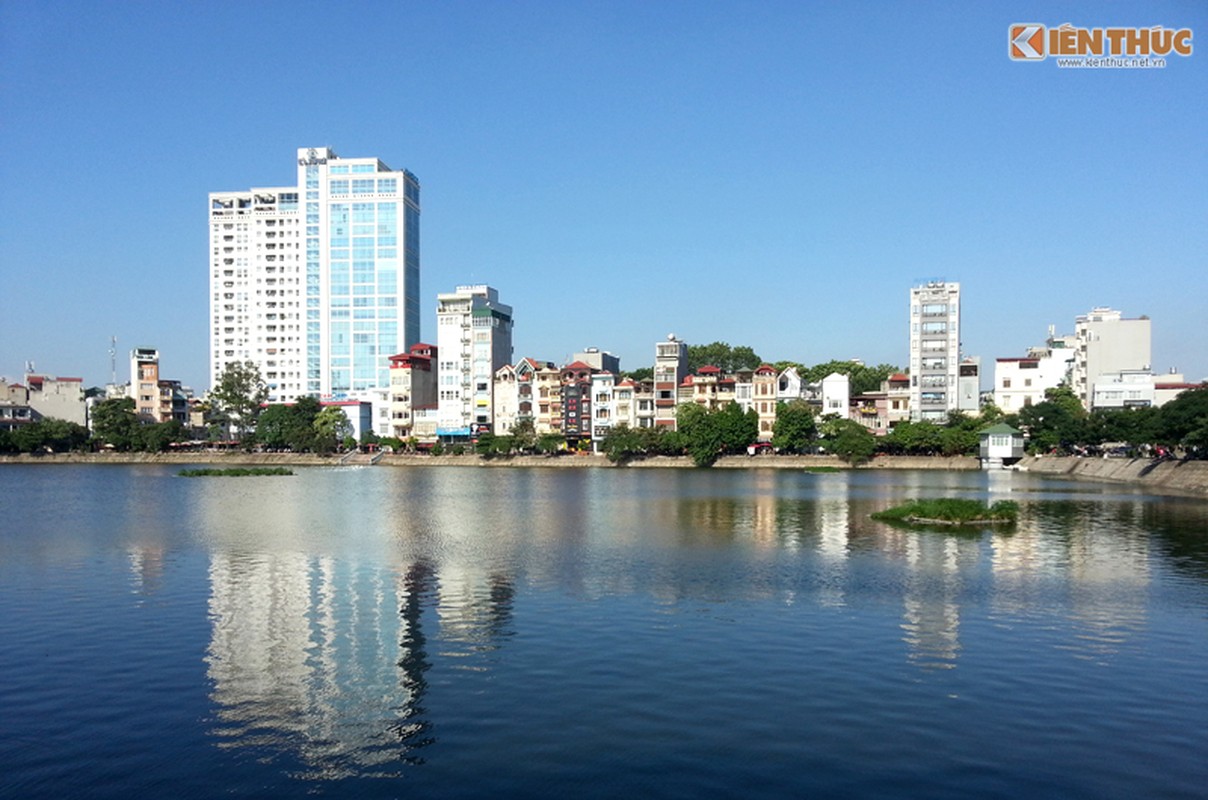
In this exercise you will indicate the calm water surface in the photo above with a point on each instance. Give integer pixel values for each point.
(444, 632)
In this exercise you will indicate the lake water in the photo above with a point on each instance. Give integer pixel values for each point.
(459, 632)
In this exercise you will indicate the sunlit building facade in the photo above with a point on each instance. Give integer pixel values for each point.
(317, 284)
(935, 338)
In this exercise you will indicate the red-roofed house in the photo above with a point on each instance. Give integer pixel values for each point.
(412, 387)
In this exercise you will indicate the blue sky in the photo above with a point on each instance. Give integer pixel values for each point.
(770, 174)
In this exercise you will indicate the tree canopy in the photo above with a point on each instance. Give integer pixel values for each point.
(709, 434)
(640, 374)
(722, 356)
(238, 396)
(115, 423)
(847, 439)
(795, 427)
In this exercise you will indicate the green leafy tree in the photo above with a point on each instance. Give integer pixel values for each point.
(331, 428)
(795, 427)
(738, 428)
(57, 435)
(114, 423)
(1184, 415)
(722, 356)
(640, 374)
(663, 441)
(1135, 426)
(1057, 424)
(848, 439)
(703, 435)
(863, 378)
(1196, 441)
(524, 435)
(301, 435)
(239, 395)
(274, 425)
(158, 437)
(989, 414)
(485, 446)
(960, 437)
(622, 444)
(438, 448)
(917, 438)
(959, 441)
(707, 435)
(550, 443)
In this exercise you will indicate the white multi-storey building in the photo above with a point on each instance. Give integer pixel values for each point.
(1108, 344)
(604, 407)
(670, 369)
(935, 327)
(474, 339)
(1022, 382)
(317, 284)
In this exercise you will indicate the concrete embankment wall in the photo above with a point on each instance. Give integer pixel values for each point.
(1178, 476)
(1182, 477)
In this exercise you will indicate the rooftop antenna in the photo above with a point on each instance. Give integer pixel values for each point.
(113, 360)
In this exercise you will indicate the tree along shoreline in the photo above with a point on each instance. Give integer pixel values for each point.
(571, 460)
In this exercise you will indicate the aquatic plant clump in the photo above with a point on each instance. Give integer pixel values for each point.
(234, 472)
(950, 511)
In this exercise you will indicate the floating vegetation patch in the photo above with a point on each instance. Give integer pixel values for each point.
(948, 511)
(234, 472)
(822, 470)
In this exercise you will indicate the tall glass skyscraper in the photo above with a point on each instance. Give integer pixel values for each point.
(317, 284)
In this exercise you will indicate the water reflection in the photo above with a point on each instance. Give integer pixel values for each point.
(1105, 563)
(328, 620)
(931, 596)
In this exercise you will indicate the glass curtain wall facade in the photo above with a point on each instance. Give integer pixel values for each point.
(357, 294)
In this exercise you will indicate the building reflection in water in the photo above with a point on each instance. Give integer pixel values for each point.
(323, 657)
(833, 523)
(930, 596)
(1103, 563)
(317, 657)
(146, 568)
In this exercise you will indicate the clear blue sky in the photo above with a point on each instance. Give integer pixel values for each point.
(769, 174)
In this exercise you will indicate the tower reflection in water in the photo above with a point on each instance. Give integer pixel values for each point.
(323, 659)
(326, 626)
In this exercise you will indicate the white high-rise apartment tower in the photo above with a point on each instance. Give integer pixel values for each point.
(317, 284)
(935, 341)
(473, 339)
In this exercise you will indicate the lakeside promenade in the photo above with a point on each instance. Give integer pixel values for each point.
(1170, 476)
